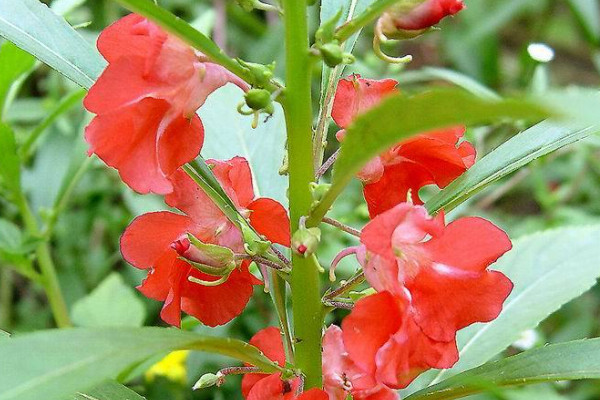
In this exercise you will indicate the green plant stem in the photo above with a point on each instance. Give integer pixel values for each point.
(370, 14)
(6, 297)
(306, 299)
(49, 279)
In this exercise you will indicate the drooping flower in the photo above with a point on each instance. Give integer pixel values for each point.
(430, 158)
(269, 387)
(342, 376)
(382, 338)
(145, 103)
(158, 242)
(407, 20)
(443, 268)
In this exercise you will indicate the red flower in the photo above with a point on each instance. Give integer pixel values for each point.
(146, 100)
(428, 158)
(447, 277)
(313, 394)
(383, 339)
(405, 21)
(270, 387)
(342, 376)
(155, 241)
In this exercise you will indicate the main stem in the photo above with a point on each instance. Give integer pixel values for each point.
(306, 300)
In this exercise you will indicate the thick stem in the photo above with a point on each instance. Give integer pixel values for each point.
(307, 309)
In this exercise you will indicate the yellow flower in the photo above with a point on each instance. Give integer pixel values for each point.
(171, 367)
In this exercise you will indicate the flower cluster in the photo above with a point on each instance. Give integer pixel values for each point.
(147, 128)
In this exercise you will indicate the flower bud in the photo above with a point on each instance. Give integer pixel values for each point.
(258, 99)
(305, 241)
(332, 54)
(208, 258)
(206, 381)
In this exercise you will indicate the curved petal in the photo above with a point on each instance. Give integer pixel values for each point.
(150, 235)
(355, 95)
(180, 143)
(273, 388)
(270, 219)
(314, 394)
(236, 178)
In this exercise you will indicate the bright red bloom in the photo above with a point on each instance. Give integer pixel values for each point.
(313, 394)
(269, 387)
(429, 158)
(423, 16)
(447, 277)
(146, 100)
(383, 339)
(152, 242)
(342, 376)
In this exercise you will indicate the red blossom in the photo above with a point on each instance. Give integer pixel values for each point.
(152, 242)
(430, 158)
(426, 14)
(447, 275)
(146, 100)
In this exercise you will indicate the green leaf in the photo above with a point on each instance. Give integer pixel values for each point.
(112, 303)
(263, 147)
(109, 390)
(588, 13)
(11, 237)
(539, 140)
(14, 63)
(400, 117)
(548, 270)
(32, 26)
(10, 169)
(564, 361)
(55, 364)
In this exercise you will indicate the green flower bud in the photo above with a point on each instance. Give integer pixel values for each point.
(253, 245)
(261, 74)
(332, 54)
(305, 241)
(206, 381)
(258, 99)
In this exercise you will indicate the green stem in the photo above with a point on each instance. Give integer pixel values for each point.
(6, 297)
(306, 303)
(49, 279)
(370, 14)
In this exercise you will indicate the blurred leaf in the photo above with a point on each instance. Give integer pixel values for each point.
(400, 117)
(548, 270)
(63, 7)
(112, 303)
(35, 28)
(52, 365)
(588, 12)
(109, 390)
(564, 361)
(539, 140)
(11, 237)
(10, 169)
(4, 335)
(14, 62)
(263, 147)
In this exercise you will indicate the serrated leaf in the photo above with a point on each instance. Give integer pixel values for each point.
(564, 361)
(55, 364)
(10, 169)
(109, 390)
(230, 134)
(112, 303)
(548, 270)
(400, 117)
(33, 27)
(537, 141)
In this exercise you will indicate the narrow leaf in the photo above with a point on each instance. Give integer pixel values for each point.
(109, 390)
(520, 150)
(52, 365)
(564, 361)
(548, 270)
(32, 26)
(14, 63)
(400, 117)
(10, 169)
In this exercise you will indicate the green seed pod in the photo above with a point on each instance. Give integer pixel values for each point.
(258, 99)
(305, 241)
(332, 54)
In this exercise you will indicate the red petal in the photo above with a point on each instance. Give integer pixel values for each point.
(273, 388)
(270, 219)
(470, 244)
(370, 325)
(129, 140)
(355, 95)
(236, 178)
(314, 394)
(217, 305)
(269, 342)
(150, 235)
(157, 284)
(448, 299)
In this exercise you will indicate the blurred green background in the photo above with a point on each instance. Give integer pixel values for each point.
(488, 43)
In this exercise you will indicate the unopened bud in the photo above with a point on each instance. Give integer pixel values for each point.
(332, 54)
(306, 240)
(261, 74)
(208, 258)
(206, 381)
(258, 99)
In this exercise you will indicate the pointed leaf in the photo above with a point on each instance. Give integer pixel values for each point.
(109, 390)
